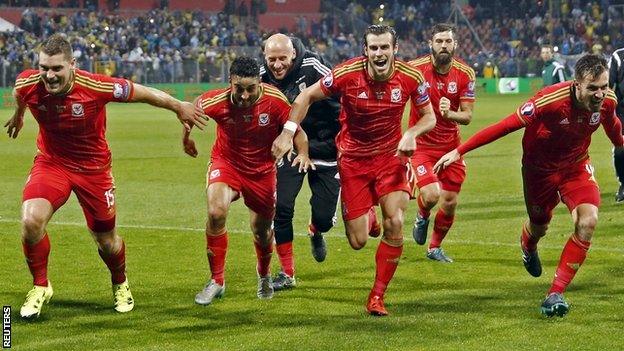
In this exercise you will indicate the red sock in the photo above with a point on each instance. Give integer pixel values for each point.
(572, 257)
(264, 259)
(424, 212)
(285, 255)
(441, 226)
(37, 259)
(116, 264)
(387, 260)
(529, 242)
(216, 248)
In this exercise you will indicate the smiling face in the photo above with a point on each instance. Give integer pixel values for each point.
(380, 51)
(279, 55)
(443, 47)
(245, 90)
(56, 72)
(591, 91)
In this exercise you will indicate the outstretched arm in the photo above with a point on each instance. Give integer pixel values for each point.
(16, 122)
(187, 113)
(484, 136)
(283, 143)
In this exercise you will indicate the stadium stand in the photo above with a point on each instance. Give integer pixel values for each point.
(165, 41)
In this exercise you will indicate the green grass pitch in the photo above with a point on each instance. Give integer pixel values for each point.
(483, 301)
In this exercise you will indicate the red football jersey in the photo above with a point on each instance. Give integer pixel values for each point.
(457, 85)
(245, 135)
(72, 126)
(371, 112)
(557, 132)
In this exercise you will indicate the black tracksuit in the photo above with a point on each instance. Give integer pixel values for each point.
(321, 125)
(616, 82)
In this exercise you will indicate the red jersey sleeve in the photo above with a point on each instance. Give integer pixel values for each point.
(612, 125)
(420, 94)
(487, 135)
(211, 100)
(26, 81)
(107, 89)
(467, 88)
(335, 81)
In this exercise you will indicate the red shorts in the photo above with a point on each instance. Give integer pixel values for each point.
(95, 191)
(543, 190)
(258, 190)
(451, 178)
(364, 180)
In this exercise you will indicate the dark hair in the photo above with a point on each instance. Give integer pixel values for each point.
(443, 27)
(379, 29)
(548, 46)
(57, 44)
(245, 66)
(590, 66)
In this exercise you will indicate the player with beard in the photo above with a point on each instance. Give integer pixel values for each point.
(559, 122)
(73, 156)
(451, 90)
(372, 153)
(291, 68)
(249, 116)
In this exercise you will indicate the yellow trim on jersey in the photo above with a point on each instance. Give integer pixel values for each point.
(93, 81)
(410, 71)
(611, 95)
(357, 65)
(420, 61)
(465, 68)
(30, 80)
(555, 96)
(205, 103)
(276, 93)
(103, 87)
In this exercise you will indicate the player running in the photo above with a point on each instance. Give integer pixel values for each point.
(73, 156)
(559, 122)
(373, 156)
(451, 90)
(249, 116)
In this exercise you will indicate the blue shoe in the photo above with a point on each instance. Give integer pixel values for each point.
(419, 232)
(439, 255)
(555, 305)
(283, 281)
(532, 262)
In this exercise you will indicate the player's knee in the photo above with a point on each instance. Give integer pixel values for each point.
(33, 226)
(284, 212)
(217, 213)
(430, 198)
(449, 206)
(357, 243)
(586, 225)
(393, 225)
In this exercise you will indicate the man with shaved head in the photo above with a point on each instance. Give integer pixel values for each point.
(291, 68)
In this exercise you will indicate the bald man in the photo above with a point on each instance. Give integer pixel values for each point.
(291, 68)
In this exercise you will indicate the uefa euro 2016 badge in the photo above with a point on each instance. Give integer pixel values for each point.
(452, 88)
(77, 110)
(594, 119)
(328, 80)
(395, 95)
(302, 86)
(263, 119)
(117, 90)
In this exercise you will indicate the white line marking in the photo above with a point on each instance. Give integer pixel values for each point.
(331, 235)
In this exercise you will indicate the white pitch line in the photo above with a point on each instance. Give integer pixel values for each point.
(331, 235)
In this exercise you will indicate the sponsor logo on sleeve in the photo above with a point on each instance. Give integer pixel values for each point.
(395, 95)
(77, 110)
(528, 109)
(302, 86)
(121, 91)
(471, 85)
(421, 170)
(263, 119)
(215, 173)
(328, 81)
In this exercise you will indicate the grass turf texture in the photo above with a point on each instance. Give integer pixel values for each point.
(485, 300)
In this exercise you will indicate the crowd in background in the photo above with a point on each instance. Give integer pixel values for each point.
(168, 46)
